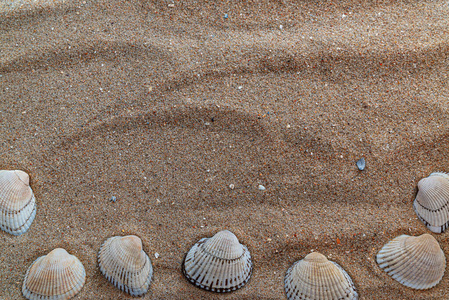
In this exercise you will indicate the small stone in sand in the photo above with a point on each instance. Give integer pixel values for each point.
(113, 199)
(156, 255)
(361, 164)
(231, 186)
(261, 187)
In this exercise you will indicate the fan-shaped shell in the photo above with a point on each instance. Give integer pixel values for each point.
(218, 264)
(432, 202)
(17, 203)
(55, 276)
(416, 262)
(123, 262)
(317, 278)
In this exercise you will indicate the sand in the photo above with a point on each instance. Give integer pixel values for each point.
(165, 104)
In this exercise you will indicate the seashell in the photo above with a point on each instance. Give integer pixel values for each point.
(218, 264)
(124, 263)
(432, 202)
(416, 262)
(17, 203)
(55, 276)
(317, 278)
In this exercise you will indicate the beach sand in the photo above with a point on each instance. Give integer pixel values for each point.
(165, 104)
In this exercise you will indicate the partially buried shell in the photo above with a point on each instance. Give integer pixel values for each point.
(432, 201)
(124, 263)
(55, 276)
(17, 203)
(218, 264)
(416, 262)
(317, 278)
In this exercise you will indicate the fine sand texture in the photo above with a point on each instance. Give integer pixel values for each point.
(166, 104)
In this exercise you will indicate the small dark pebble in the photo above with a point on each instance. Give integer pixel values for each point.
(361, 164)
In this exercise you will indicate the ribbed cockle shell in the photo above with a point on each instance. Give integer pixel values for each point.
(124, 263)
(218, 264)
(432, 202)
(55, 276)
(416, 262)
(17, 203)
(317, 278)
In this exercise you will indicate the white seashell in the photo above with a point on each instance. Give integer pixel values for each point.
(432, 202)
(218, 264)
(416, 262)
(55, 276)
(17, 203)
(317, 278)
(123, 262)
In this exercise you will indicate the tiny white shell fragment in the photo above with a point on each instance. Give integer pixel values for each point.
(17, 202)
(317, 278)
(55, 276)
(123, 262)
(416, 262)
(218, 264)
(432, 202)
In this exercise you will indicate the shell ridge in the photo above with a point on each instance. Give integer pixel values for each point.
(124, 263)
(188, 264)
(208, 274)
(396, 265)
(229, 259)
(199, 260)
(442, 174)
(315, 277)
(421, 265)
(334, 281)
(221, 273)
(20, 223)
(330, 281)
(217, 270)
(445, 205)
(349, 281)
(17, 203)
(136, 286)
(13, 192)
(203, 275)
(189, 260)
(53, 276)
(433, 228)
(422, 254)
(433, 193)
(8, 192)
(432, 202)
(248, 266)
